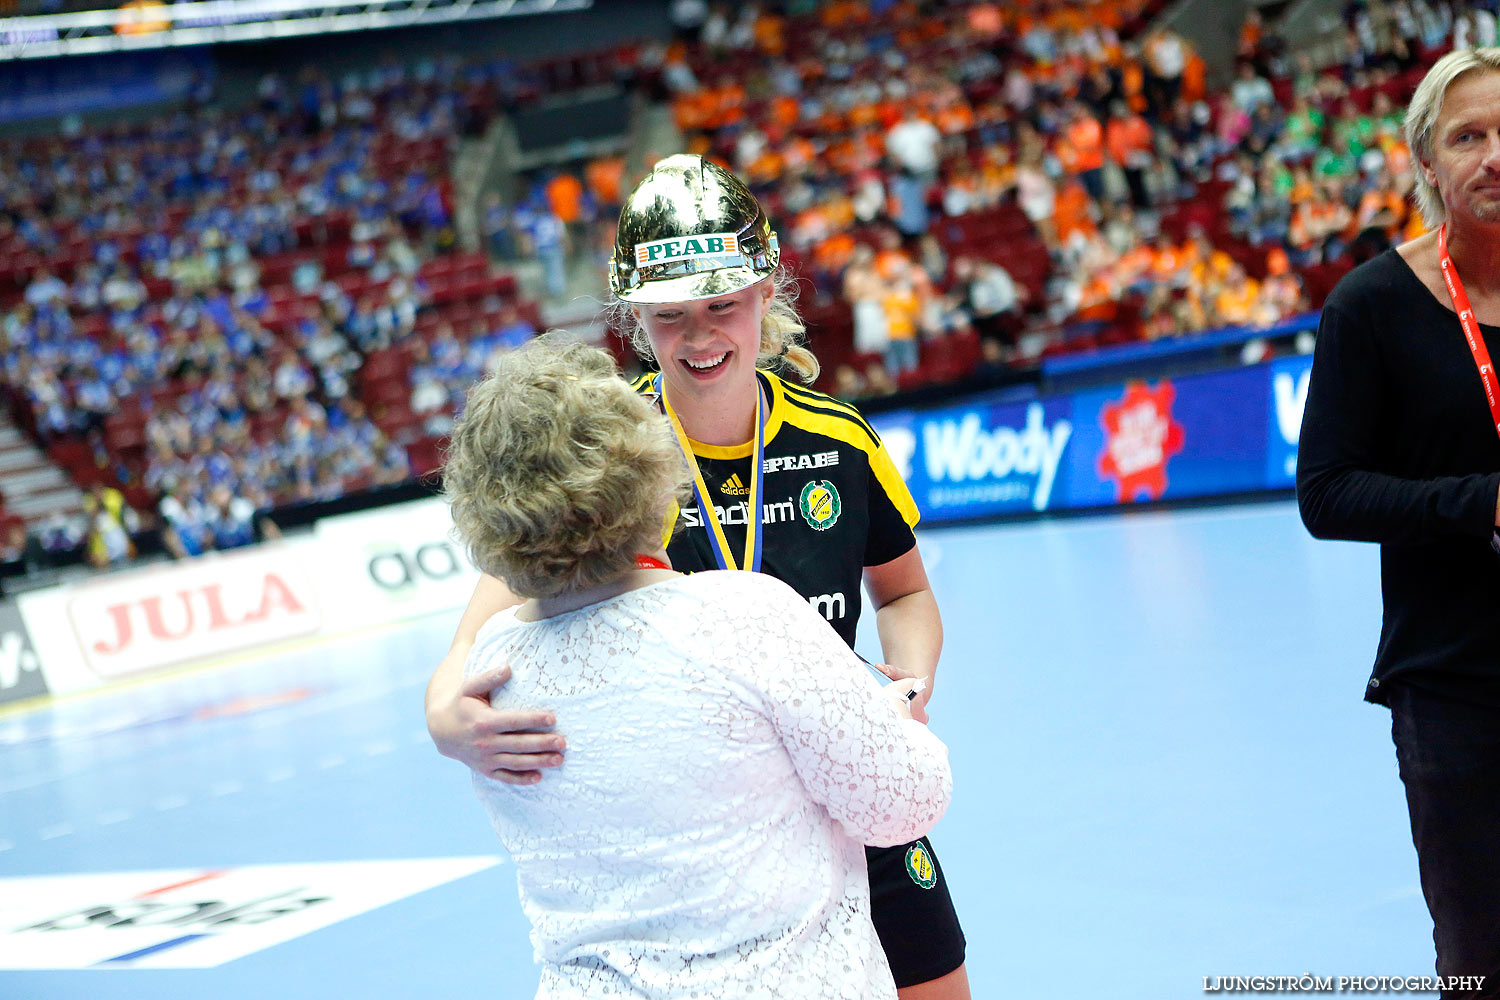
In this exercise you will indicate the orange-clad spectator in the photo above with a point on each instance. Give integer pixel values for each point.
(1383, 206)
(903, 308)
(1082, 149)
(985, 21)
(1099, 301)
(729, 104)
(864, 115)
(954, 117)
(565, 196)
(842, 13)
(1302, 186)
(1169, 263)
(997, 175)
(891, 262)
(799, 154)
(783, 112)
(889, 112)
(1318, 218)
(1135, 265)
(1251, 31)
(1277, 263)
(1195, 77)
(606, 178)
(1206, 265)
(1237, 302)
(1131, 144)
(694, 110)
(1133, 84)
(767, 167)
(770, 34)
(833, 254)
(1281, 292)
(1072, 214)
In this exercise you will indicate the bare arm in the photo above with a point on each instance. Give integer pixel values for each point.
(906, 616)
(500, 745)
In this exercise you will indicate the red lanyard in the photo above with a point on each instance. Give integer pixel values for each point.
(1471, 327)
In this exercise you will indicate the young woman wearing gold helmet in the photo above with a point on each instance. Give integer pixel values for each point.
(695, 274)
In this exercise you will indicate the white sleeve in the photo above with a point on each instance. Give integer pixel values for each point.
(885, 779)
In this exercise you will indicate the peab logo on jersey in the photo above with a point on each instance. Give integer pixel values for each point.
(820, 505)
(790, 463)
(1140, 439)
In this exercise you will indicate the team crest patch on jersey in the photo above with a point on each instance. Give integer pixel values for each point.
(920, 867)
(820, 504)
(734, 487)
(686, 247)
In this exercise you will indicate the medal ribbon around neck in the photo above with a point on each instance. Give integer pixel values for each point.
(716, 539)
(1471, 328)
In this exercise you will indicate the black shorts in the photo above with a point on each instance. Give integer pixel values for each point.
(913, 913)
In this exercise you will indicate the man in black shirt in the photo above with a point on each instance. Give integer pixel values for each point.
(1401, 445)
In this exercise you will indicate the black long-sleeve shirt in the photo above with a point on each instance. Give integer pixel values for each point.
(1398, 447)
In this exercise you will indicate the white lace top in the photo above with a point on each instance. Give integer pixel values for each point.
(727, 758)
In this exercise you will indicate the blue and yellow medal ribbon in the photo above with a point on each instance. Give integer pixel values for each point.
(716, 538)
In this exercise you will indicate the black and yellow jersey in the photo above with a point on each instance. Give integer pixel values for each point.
(833, 501)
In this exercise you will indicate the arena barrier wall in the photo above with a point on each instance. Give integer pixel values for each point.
(1225, 432)
(1220, 433)
(351, 572)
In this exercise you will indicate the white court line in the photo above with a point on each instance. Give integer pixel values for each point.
(330, 762)
(378, 748)
(280, 774)
(226, 788)
(171, 802)
(113, 816)
(53, 832)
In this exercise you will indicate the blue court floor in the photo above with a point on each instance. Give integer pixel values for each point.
(1163, 771)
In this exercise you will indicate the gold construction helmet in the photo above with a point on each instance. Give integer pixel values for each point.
(690, 230)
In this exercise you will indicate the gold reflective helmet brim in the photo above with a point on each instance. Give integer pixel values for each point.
(690, 230)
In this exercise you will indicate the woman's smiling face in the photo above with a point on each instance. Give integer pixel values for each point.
(707, 346)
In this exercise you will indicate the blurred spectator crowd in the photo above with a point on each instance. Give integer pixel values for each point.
(226, 311)
(983, 183)
(186, 307)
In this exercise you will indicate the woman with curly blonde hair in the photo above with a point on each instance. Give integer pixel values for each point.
(738, 868)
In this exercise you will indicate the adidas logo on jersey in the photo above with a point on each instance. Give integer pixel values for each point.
(734, 487)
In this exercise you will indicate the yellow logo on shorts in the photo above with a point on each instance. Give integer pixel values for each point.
(820, 504)
(920, 867)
